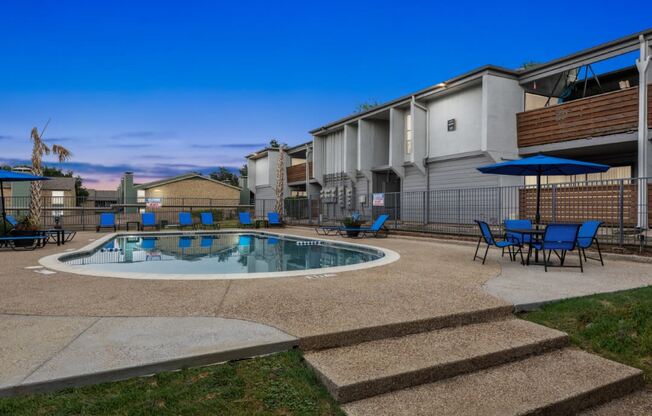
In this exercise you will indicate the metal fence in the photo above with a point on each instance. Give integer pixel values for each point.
(453, 211)
(83, 213)
(443, 211)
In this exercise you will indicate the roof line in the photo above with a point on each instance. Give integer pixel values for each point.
(180, 178)
(424, 91)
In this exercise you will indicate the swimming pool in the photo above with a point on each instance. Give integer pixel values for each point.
(225, 255)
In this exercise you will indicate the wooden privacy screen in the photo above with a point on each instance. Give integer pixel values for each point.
(297, 173)
(600, 115)
(585, 202)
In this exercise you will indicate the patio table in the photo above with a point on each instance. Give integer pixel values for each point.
(535, 235)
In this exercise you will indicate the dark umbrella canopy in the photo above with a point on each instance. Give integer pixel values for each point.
(542, 165)
(10, 176)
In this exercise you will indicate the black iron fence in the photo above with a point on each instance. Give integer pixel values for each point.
(83, 213)
(453, 211)
(443, 211)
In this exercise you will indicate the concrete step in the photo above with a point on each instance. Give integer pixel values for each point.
(402, 328)
(560, 382)
(371, 368)
(635, 404)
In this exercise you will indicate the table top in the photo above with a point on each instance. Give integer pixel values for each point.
(525, 230)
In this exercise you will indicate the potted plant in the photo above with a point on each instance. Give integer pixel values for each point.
(351, 224)
(24, 228)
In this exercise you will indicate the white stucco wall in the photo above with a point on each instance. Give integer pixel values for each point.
(465, 107)
(504, 98)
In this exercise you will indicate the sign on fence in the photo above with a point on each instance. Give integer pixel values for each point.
(153, 203)
(379, 200)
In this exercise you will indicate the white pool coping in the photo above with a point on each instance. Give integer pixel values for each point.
(52, 262)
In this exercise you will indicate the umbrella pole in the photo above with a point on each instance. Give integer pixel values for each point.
(4, 213)
(537, 218)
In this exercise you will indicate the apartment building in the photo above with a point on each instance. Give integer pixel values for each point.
(591, 105)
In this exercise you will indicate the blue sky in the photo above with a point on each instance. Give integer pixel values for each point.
(168, 87)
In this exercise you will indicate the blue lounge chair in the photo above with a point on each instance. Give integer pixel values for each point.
(207, 220)
(107, 220)
(558, 239)
(587, 236)
(148, 219)
(12, 221)
(273, 219)
(377, 228)
(185, 219)
(26, 242)
(487, 236)
(245, 220)
(327, 229)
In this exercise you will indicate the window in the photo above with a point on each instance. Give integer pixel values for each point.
(140, 196)
(57, 202)
(408, 134)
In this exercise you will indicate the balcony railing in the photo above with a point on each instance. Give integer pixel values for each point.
(297, 173)
(600, 115)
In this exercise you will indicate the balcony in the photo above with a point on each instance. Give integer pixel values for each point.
(599, 115)
(297, 173)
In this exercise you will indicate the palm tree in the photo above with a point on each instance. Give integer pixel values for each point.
(39, 149)
(280, 181)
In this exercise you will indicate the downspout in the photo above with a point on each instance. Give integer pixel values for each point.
(642, 64)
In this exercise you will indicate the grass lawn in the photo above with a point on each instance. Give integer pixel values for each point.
(617, 326)
(279, 384)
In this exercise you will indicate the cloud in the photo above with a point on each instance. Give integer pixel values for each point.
(59, 139)
(228, 146)
(143, 134)
(6, 137)
(243, 145)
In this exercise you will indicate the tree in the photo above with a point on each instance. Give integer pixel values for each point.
(274, 144)
(39, 149)
(225, 175)
(366, 106)
(244, 170)
(280, 181)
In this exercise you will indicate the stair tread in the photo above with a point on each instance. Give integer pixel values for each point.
(393, 356)
(635, 404)
(558, 382)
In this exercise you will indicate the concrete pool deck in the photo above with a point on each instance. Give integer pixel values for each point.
(434, 285)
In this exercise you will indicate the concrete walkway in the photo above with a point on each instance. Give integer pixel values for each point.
(530, 287)
(44, 353)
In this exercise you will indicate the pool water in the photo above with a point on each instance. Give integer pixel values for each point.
(218, 253)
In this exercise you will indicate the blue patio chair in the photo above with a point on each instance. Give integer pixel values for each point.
(148, 243)
(273, 219)
(207, 220)
(558, 239)
(377, 228)
(148, 219)
(206, 241)
(185, 242)
(487, 236)
(586, 236)
(185, 219)
(107, 220)
(245, 220)
(24, 242)
(518, 239)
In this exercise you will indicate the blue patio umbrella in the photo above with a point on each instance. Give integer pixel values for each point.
(542, 165)
(10, 176)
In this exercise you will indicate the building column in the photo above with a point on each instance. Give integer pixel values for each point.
(643, 64)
